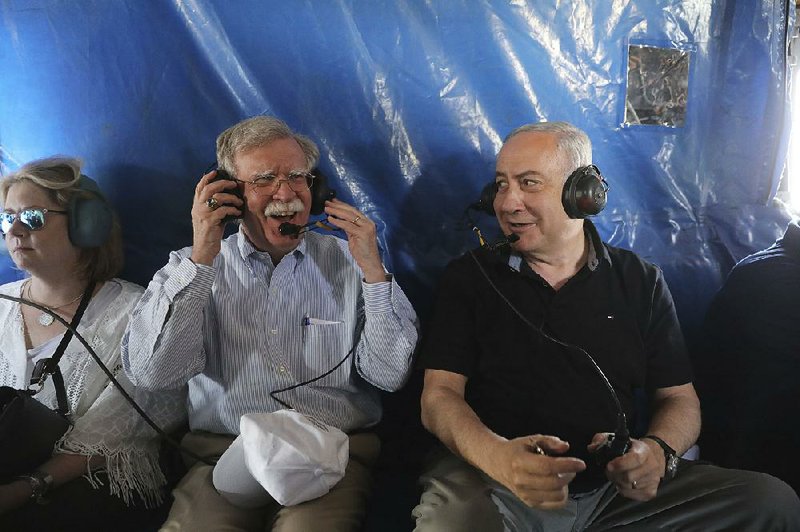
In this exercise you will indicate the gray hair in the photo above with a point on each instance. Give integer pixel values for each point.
(59, 176)
(258, 131)
(572, 142)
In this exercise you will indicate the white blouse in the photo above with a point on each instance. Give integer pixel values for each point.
(104, 422)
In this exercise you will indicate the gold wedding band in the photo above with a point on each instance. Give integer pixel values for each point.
(212, 203)
(356, 219)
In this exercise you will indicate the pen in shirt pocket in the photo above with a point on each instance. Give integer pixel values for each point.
(309, 321)
(316, 321)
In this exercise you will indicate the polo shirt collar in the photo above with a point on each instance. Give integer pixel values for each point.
(595, 244)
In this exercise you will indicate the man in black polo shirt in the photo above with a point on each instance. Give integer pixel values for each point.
(512, 391)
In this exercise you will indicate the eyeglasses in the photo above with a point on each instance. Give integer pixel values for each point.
(33, 219)
(297, 181)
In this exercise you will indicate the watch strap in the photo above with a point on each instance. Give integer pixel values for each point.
(40, 483)
(670, 456)
(661, 443)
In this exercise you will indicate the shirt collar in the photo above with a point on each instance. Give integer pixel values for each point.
(595, 245)
(247, 249)
(592, 261)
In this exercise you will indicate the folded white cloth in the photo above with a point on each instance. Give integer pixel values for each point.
(235, 483)
(291, 456)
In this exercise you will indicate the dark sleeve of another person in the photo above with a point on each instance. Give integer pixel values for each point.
(748, 366)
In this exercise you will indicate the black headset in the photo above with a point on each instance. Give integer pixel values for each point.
(320, 192)
(585, 193)
(90, 215)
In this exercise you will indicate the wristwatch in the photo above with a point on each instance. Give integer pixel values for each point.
(671, 459)
(40, 483)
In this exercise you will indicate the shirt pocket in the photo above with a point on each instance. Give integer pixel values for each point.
(325, 344)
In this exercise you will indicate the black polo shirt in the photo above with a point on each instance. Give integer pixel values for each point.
(617, 307)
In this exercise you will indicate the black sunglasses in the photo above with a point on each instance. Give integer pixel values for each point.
(33, 219)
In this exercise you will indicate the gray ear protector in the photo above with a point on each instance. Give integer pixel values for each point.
(584, 194)
(90, 218)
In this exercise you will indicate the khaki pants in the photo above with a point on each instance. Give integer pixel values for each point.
(198, 507)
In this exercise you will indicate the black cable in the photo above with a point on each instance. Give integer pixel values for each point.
(111, 377)
(318, 377)
(473, 226)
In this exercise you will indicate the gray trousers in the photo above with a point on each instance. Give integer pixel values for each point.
(458, 497)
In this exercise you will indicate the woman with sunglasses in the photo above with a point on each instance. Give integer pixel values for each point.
(105, 469)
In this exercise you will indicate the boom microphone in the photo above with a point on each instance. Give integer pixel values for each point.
(503, 242)
(290, 229)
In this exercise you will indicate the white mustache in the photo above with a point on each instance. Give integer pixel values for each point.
(281, 208)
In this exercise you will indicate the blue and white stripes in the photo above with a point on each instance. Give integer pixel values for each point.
(243, 328)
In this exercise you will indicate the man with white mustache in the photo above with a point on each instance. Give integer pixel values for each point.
(258, 312)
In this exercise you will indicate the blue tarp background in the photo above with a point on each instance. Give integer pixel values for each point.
(409, 101)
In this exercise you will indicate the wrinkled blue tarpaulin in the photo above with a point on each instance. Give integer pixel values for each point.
(409, 101)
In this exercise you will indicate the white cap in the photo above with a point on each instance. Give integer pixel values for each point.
(293, 457)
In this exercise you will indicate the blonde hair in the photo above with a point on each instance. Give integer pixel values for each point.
(59, 177)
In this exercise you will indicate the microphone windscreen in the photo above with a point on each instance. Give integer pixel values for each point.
(513, 237)
(289, 229)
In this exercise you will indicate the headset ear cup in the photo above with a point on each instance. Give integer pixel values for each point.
(585, 192)
(320, 192)
(90, 218)
(568, 196)
(486, 202)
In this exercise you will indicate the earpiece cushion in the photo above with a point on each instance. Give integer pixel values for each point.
(320, 192)
(90, 218)
(486, 201)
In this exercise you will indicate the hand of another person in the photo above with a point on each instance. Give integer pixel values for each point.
(211, 204)
(361, 238)
(540, 480)
(638, 472)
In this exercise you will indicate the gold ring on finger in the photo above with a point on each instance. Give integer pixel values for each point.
(356, 219)
(212, 203)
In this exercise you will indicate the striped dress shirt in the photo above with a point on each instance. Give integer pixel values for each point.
(242, 328)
